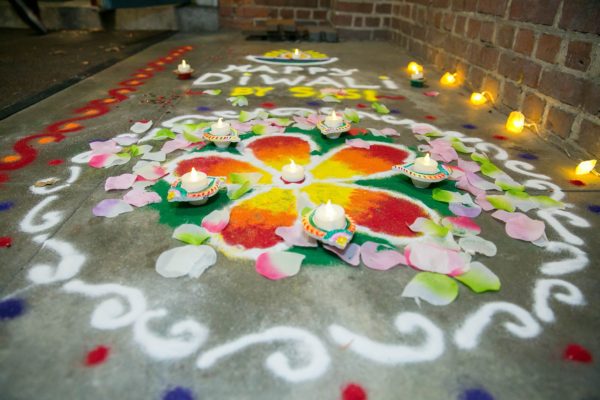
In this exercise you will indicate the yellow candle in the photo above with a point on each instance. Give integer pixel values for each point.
(585, 167)
(478, 99)
(448, 79)
(515, 122)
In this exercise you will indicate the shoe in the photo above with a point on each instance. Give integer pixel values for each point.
(28, 16)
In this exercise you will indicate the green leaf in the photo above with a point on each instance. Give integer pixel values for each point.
(133, 150)
(380, 108)
(351, 115)
(436, 289)
(480, 278)
(164, 133)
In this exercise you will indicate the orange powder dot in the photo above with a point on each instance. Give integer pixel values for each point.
(46, 140)
(11, 158)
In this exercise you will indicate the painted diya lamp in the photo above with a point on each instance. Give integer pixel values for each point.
(292, 173)
(423, 171)
(194, 187)
(329, 224)
(333, 126)
(221, 134)
(184, 71)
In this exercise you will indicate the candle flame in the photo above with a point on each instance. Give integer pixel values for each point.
(194, 175)
(183, 63)
(448, 79)
(585, 167)
(478, 98)
(515, 122)
(333, 114)
(296, 52)
(292, 163)
(220, 123)
(413, 67)
(329, 210)
(427, 159)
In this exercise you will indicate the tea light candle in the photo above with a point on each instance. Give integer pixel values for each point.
(448, 79)
(184, 68)
(515, 122)
(292, 172)
(194, 181)
(333, 121)
(585, 167)
(425, 165)
(478, 99)
(220, 128)
(413, 67)
(330, 217)
(296, 55)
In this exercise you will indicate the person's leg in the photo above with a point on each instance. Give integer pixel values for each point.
(29, 12)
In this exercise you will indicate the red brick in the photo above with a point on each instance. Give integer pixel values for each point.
(372, 21)
(342, 20)
(591, 98)
(458, 46)
(473, 28)
(548, 47)
(581, 16)
(519, 69)
(562, 86)
(364, 7)
(287, 13)
(459, 24)
(535, 11)
(355, 34)
(475, 78)
(579, 55)
(325, 3)
(589, 137)
(560, 122)
(303, 14)
(406, 10)
(436, 19)
(486, 33)
(448, 22)
(441, 3)
(511, 96)
(533, 107)
(505, 36)
(320, 15)
(385, 8)
(494, 7)
(358, 22)
(253, 12)
(464, 5)
(484, 56)
(491, 85)
(225, 11)
(524, 41)
(381, 34)
(386, 22)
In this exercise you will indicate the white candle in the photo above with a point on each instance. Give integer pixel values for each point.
(184, 67)
(330, 216)
(415, 76)
(296, 55)
(333, 121)
(425, 165)
(220, 128)
(292, 172)
(194, 181)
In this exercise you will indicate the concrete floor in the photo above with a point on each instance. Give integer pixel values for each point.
(43, 350)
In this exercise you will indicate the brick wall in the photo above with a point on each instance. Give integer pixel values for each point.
(538, 56)
(243, 14)
(362, 20)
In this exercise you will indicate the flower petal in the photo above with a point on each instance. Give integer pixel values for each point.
(477, 244)
(347, 162)
(216, 221)
(435, 289)
(350, 255)
(107, 160)
(110, 208)
(140, 198)
(119, 182)
(480, 278)
(375, 258)
(520, 226)
(461, 210)
(295, 236)
(180, 261)
(276, 265)
(429, 256)
(141, 126)
(105, 147)
(191, 234)
(358, 143)
(149, 170)
(461, 226)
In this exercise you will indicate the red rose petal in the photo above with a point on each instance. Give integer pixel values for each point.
(5, 241)
(352, 391)
(577, 182)
(97, 356)
(577, 353)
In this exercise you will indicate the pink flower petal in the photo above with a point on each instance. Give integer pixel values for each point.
(431, 93)
(119, 182)
(428, 256)
(216, 221)
(483, 203)
(351, 254)
(465, 211)
(462, 226)
(468, 166)
(140, 126)
(107, 146)
(442, 150)
(520, 226)
(140, 198)
(110, 208)
(295, 236)
(277, 265)
(381, 260)
(421, 129)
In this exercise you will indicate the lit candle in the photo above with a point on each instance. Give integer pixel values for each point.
(333, 121)
(296, 54)
(413, 67)
(515, 122)
(292, 172)
(448, 79)
(184, 68)
(478, 99)
(220, 128)
(425, 165)
(194, 181)
(585, 167)
(330, 217)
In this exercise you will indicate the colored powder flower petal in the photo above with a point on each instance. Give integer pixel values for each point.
(433, 257)
(380, 108)
(524, 228)
(126, 139)
(577, 353)
(353, 391)
(216, 221)
(480, 278)
(108, 160)
(105, 147)
(111, 208)
(461, 226)
(435, 289)
(470, 211)
(149, 170)
(119, 182)
(140, 198)
(179, 393)
(277, 265)
(154, 156)
(350, 255)
(358, 143)
(477, 244)
(422, 129)
(191, 234)
(5, 241)
(447, 196)
(12, 308)
(351, 115)
(238, 101)
(295, 236)
(277, 150)
(175, 144)
(141, 126)
(428, 227)
(380, 257)
(442, 150)
(501, 202)
(184, 260)
(97, 356)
